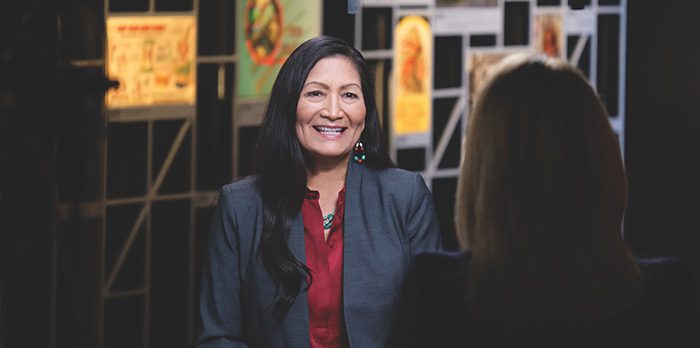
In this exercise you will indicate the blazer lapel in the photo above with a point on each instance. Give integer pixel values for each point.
(354, 239)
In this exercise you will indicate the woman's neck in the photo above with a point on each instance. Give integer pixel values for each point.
(327, 176)
(328, 179)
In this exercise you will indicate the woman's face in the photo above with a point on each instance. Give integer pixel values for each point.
(331, 109)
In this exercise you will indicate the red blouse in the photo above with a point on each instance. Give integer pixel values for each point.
(325, 259)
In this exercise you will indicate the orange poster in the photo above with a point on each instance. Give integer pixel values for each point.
(412, 76)
(549, 35)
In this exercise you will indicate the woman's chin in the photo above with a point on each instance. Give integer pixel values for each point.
(339, 158)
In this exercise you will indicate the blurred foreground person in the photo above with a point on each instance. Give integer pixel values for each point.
(540, 204)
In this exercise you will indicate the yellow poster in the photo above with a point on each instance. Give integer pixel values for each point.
(153, 58)
(412, 75)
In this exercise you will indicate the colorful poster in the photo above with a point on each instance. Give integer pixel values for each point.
(153, 58)
(412, 75)
(549, 35)
(268, 31)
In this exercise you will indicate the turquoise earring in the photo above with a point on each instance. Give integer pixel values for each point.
(359, 153)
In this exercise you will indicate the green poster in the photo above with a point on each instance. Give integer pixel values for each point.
(267, 32)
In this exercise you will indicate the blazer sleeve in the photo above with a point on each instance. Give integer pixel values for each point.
(422, 227)
(220, 293)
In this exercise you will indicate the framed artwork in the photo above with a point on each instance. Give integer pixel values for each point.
(412, 75)
(153, 58)
(548, 35)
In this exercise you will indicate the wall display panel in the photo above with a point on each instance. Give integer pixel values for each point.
(157, 127)
(153, 58)
(483, 32)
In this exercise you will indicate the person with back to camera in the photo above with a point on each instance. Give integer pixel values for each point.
(539, 209)
(311, 251)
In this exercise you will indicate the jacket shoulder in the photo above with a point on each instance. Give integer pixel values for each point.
(396, 178)
(243, 188)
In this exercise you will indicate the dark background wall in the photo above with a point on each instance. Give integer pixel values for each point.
(663, 127)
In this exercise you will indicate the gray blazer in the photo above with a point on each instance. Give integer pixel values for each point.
(389, 217)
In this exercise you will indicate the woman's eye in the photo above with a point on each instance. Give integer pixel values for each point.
(314, 94)
(350, 95)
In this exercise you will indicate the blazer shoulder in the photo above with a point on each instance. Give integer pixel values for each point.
(245, 188)
(395, 173)
(396, 179)
(241, 197)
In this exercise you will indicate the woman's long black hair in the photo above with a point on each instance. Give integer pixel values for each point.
(280, 164)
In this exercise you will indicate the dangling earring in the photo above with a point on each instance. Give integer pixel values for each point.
(359, 153)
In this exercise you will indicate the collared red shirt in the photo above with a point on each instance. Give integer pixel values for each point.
(325, 259)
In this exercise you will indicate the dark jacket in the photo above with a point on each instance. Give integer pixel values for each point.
(432, 311)
(389, 217)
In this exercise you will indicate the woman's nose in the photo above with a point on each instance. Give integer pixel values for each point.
(333, 108)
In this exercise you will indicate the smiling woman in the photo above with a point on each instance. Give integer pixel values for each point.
(311, 250)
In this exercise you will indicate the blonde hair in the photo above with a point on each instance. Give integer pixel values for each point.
(541, 198)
